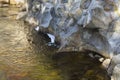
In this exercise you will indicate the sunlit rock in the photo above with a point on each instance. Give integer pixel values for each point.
(21, 15)
(116, 73)
(52, 38)
(80, 25)
(4, 1)
(37, 28)
(106, 63)
(17, 2)
(59, 17)
(65, 19)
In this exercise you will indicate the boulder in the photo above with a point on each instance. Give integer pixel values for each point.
(79, 25)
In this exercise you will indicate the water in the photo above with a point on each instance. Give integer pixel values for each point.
(25, 55)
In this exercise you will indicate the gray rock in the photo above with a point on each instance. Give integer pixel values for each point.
(114, 68)
(80, 25)
(116, 73)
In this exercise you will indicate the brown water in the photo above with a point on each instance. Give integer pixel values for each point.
(21, 61)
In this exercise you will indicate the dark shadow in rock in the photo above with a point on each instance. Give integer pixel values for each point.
(39, 42)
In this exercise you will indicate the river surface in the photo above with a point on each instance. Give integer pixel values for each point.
(25, 56)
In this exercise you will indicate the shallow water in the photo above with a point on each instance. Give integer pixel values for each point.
(25, 56)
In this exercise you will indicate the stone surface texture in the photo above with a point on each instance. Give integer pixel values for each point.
(79, 25)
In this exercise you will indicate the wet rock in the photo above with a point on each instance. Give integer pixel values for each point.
(64, 21)
(79, 25)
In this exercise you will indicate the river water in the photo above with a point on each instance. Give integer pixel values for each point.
(25, 55)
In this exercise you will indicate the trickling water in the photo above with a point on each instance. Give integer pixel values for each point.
(21, 61)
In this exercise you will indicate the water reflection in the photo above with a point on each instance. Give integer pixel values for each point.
(25, 55)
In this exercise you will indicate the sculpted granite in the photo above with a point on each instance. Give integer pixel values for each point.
(79, 25)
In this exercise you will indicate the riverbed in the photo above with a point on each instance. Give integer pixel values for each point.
(24, 55)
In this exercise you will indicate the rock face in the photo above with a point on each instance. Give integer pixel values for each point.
(13, 2)
(7, 1)
(4, 3)
(78, 25)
